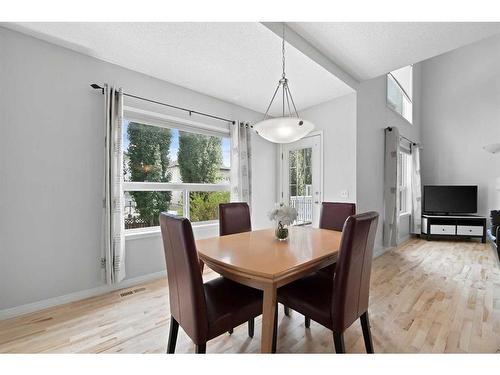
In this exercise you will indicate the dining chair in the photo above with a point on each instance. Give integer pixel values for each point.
(333, 216)
(235, 218)
(338, 301)
(203, 310)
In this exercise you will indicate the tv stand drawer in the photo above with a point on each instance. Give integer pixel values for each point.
(443, 229)
(469, 230)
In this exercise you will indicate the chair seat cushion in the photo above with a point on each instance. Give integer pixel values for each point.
(230, 304)
(310, 296)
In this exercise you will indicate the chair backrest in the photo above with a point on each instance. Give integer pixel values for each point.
(234, 218)
(351, 284)
(185, 283)
(334, 215)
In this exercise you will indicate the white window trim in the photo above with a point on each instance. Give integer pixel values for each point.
(138, 233)
(172, 122)
(167, 186)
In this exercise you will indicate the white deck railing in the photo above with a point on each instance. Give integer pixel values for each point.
(304, 207)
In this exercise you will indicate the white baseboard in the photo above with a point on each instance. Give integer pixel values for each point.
(76, 296)
(403, 240)
(378, 251)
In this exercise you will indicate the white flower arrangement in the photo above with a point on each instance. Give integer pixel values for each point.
(283, 215)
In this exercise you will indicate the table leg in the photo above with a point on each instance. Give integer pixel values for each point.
(268, 309)
(202, 265)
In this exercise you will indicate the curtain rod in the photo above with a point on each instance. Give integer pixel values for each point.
(190, 111)
(402, 136)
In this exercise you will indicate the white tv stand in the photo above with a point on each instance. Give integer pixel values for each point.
(453, 226)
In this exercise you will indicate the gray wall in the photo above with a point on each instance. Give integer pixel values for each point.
(461, 114)
(372, 117)
(51, 168)
(337, 120)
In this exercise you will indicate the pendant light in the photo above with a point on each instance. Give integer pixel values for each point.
(289, 127)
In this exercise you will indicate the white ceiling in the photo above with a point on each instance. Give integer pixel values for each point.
(369, 49)
(241, 62)
(236, 62)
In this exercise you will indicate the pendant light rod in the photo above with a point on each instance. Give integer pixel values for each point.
(283, 84)
(283, 51)
(289, 127)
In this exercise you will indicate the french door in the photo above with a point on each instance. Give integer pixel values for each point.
(301, 178)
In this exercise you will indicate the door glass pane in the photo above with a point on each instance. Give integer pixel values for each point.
(293, 176)
(308, 153)
(301, 184)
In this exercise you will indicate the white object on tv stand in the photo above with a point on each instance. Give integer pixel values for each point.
(456, 226)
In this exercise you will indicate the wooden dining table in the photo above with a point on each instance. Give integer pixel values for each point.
(257, 259)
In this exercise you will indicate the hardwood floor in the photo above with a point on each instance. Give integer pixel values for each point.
(426, 297)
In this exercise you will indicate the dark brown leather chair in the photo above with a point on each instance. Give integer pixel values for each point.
(204, 311)
(337, 301)
(333, 217)
(235, 218)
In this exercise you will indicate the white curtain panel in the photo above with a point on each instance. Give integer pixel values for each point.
(416, 192)
(391, 187)
(241, 166)
(113, 252)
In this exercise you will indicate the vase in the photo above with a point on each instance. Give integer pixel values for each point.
(281, 232)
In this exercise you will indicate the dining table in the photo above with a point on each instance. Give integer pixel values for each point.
(259, 260)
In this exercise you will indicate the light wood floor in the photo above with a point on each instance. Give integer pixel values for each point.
(426, 297)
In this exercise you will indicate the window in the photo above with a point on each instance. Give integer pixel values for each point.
(170, 169)
(400, 92)
(404, 181)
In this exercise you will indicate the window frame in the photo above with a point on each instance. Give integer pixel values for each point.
(405, 93)
(181, 124)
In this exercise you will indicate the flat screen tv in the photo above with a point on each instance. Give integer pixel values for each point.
(439, 199)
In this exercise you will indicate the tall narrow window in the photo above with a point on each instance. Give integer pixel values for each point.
(404, 181)
(400, 92)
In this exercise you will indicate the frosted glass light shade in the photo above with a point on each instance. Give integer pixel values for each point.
(283, 129)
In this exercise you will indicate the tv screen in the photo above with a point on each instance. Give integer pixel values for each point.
(450, 199)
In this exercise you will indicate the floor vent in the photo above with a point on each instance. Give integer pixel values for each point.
(133, 291)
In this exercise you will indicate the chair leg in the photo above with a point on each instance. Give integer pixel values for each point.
(367, 334)
(307, 321)
(172, 336)
(201, 349)
(231, 331)
(275, 330)
(287, 310)
(251, 325)
(338, 340)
